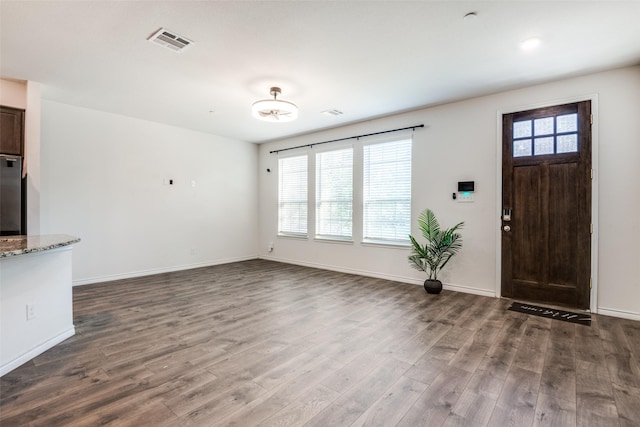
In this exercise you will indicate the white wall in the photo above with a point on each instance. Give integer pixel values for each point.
(460, 142)
(103, 180)
(32, 134)
(13, 93)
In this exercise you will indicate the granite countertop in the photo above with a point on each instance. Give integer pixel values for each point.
(20, 245)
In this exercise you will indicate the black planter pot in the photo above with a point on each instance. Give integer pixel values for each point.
(433, 286)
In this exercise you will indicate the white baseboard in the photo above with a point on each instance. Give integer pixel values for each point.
(10, 366)
(469, 290)
(619, 313)
(449, 286)
(132, 274)
(338, 269)
(403, 279)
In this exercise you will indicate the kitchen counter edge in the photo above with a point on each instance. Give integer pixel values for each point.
(21, 245)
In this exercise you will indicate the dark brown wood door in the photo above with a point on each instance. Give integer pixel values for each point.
(546, 200)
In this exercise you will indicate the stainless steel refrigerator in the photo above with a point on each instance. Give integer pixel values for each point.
(11, 196)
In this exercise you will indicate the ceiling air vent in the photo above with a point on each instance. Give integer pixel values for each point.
(170, 40)
(332, 112)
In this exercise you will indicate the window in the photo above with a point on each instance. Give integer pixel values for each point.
(292, 196)
(545, 135)
(387, 191)
(334, 194)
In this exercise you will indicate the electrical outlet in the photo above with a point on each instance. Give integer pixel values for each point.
(31, 311)
(270, 246)
(192, 251)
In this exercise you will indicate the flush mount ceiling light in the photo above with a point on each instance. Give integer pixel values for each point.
(274, 110)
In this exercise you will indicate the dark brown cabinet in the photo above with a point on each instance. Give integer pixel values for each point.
(11, 131)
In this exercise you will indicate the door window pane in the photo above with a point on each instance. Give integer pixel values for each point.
(567, 143)
(543, 146)
(543, 126)
(567, 123)
(522, 148)
(522, 129)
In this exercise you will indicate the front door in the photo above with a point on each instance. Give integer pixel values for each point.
(546, 201)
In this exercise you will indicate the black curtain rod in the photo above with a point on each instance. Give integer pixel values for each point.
(350, 137)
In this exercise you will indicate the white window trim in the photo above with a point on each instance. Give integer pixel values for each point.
(383, 139)
(358, 192)
(294, 153)
(334, 237)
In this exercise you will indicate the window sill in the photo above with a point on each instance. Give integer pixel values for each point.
(387, 244)
(293, 236)
(338, 240)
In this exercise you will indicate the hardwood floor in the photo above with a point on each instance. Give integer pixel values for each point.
(270, 344)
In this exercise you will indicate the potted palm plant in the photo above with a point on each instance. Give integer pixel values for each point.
(441, 245)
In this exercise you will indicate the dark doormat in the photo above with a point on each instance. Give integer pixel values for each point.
(552, 313)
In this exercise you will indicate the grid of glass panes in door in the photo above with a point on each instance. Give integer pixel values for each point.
(547, 135)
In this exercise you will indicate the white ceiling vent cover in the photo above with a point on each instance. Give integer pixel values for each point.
(170, 40)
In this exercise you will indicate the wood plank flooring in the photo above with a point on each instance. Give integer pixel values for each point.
(260, 343)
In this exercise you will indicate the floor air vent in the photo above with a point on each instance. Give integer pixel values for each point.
(170, 40)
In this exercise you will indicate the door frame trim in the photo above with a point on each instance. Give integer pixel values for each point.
(593, 299)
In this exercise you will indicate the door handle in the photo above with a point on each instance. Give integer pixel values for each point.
(507, 228)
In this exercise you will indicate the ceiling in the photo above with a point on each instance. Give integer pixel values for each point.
(365, 58)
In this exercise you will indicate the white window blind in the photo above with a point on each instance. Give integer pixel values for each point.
(387, 191)
(334, 194)
(292, 195)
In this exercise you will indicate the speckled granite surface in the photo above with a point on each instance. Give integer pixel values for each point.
(20, 245)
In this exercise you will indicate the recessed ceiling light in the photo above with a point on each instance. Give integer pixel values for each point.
(470, 16)
(530, 43)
